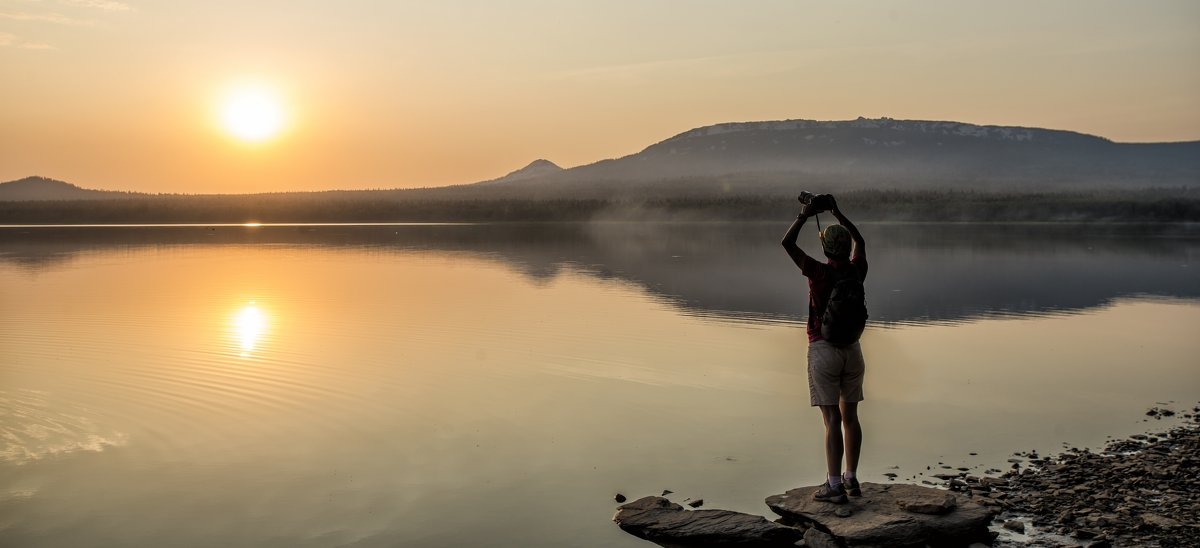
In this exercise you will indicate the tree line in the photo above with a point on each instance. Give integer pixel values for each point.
(1153, 205)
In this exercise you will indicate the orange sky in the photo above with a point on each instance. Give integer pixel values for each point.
(126, 95)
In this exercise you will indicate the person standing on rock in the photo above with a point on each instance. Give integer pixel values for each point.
(836, 316)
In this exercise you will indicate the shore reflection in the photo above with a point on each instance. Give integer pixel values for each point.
(920, 273)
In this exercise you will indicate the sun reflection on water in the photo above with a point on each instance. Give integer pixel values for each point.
(249, 325)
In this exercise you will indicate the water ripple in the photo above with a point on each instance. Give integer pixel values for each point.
(30, 430)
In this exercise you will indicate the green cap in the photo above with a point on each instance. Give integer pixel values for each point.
(835, 240)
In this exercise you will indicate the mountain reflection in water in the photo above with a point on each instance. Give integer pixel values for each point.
(918, 273)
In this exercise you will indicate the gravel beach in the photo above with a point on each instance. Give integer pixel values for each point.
(1141, 491)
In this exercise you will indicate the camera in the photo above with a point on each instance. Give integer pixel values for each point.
(819, 202)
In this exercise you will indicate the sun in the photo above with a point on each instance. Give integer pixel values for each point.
(252, 113)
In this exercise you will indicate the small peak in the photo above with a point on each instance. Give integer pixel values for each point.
(36, 187)
(541, 164)
(535, 168)
(34, 181)
(38, 179)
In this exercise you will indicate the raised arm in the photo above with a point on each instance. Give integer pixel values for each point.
(860, 245)
(789, 239)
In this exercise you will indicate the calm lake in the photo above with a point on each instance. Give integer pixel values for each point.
(497, 385)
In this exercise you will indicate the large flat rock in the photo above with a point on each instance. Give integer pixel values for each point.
(664, 522)
(894, 515)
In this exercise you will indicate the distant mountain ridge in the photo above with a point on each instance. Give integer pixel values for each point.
(781, 157)
(773, 156)
(1011, 133)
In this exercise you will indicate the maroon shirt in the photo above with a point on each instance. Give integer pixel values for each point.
(820, 286)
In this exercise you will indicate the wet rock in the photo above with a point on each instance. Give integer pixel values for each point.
(880, 520)
(1155, 412)
(660, 520)
(696, 503)
(667, 492)
(1015, 526)
(619, 498)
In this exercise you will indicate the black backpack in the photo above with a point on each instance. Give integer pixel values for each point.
(846, 313)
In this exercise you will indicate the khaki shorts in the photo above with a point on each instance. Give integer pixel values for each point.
(835, 374)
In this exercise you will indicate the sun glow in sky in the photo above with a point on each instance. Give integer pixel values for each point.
(252, 112)
(380, 94)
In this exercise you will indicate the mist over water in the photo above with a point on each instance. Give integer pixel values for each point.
(497, 384)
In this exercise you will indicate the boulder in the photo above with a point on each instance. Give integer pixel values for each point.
(816, 538)
(664, 522)
(881, 518)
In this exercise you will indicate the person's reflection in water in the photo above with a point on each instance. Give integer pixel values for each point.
(835, 359)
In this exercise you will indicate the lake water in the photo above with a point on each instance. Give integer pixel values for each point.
(496, 385)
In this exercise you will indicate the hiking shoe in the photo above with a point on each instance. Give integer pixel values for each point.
(828, 493)
(852, 487)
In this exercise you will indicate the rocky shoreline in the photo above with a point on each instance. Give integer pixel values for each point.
(1141, 491)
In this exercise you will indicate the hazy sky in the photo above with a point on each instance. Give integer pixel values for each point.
(128, 94)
